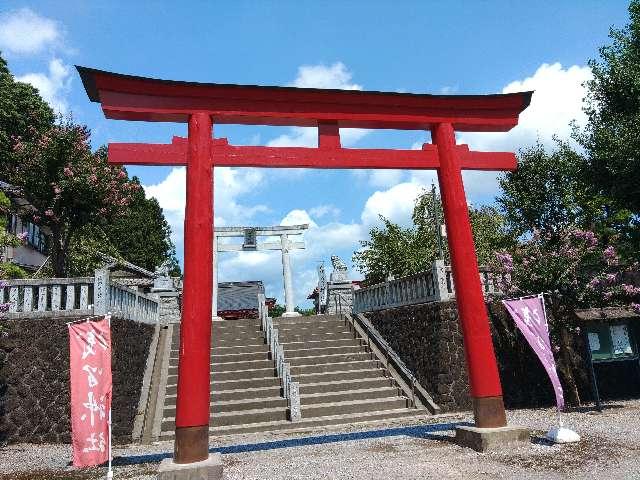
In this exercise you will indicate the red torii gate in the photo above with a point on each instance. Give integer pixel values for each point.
(125, 97)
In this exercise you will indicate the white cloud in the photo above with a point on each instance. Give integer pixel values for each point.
(229, 184)
(335, 76)
(298, 137)
(321, 211)
(53, 86)
(322, 76)
(385, 178)
(298, 217)
(24, 32)
(396, 204)
(557, 101)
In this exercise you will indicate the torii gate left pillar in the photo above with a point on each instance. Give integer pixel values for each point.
(137, 98)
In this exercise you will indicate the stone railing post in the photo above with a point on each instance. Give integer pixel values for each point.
(101, 292)
(439, 276)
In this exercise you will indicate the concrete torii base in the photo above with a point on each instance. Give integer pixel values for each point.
(291, 314)
(209, 469)
(491, 439)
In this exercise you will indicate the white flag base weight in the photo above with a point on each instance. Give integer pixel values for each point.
(562, 435)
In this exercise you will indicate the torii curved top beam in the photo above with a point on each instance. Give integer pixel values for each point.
(128, 97)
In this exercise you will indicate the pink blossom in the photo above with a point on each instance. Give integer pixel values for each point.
(36, 218)
(610, 255)
(22, 237)
(68, 172)
(121, 174)
(4, 307)
(506, 260)
(630, 289)
(588, 236)
(93, 178)
(611, 278)
(594, 283)
(49, 213)
(57, 190)
(636, 307)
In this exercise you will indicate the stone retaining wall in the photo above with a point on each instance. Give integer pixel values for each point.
(428, 339)
(34, 378)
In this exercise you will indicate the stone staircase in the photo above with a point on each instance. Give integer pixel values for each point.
(340, 380)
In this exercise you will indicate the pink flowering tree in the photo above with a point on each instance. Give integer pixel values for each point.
(579, 272)
(70, 186)
(574, 265)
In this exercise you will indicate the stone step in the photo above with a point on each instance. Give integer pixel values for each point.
(236, 405)
(253, 373)
(230, 349)
(324, 377)
(228, 358)
(234, 395)
(353, 406)
(323, 351)
(237, 349)
(334, 367)
(236, 418)
(365, 418)
(287, 330)
(345, 385)
(321, 326)
(232, 337)
(329, 358)
(222, 385)
(322, 343)
(234, 366)
(314, 337)
(349, 395)
(314, 319)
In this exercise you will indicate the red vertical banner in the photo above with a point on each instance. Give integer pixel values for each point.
(90, 372)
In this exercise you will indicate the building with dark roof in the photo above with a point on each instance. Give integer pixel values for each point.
(240, 299)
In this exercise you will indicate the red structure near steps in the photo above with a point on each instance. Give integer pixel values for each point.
(201, 105)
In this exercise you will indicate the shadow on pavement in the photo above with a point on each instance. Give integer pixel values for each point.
(429, 432)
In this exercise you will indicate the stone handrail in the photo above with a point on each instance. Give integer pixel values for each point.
(290, 389)
(490, 280)
(125, 302)
(48, 297)
(435, 285)
(74, 297)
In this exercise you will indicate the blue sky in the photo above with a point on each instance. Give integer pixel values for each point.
(417, 46)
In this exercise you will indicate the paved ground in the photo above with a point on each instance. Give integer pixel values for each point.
(610, 450)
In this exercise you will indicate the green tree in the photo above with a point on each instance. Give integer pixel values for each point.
(23, 116)
(551, 192)
(399, 251)
(612, 134)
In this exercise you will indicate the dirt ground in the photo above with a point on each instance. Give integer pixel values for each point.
(609, 449)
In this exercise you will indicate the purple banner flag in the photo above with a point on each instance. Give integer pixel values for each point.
(531, 319)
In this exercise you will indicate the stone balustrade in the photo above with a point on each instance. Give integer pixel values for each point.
(435, 285)
(290, 389)
(48, 297)
(75, 297)
(125, 302)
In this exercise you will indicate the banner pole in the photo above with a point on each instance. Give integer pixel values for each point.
(544, 311)
(110, 471)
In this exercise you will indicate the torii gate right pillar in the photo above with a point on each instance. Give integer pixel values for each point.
(486, 391)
